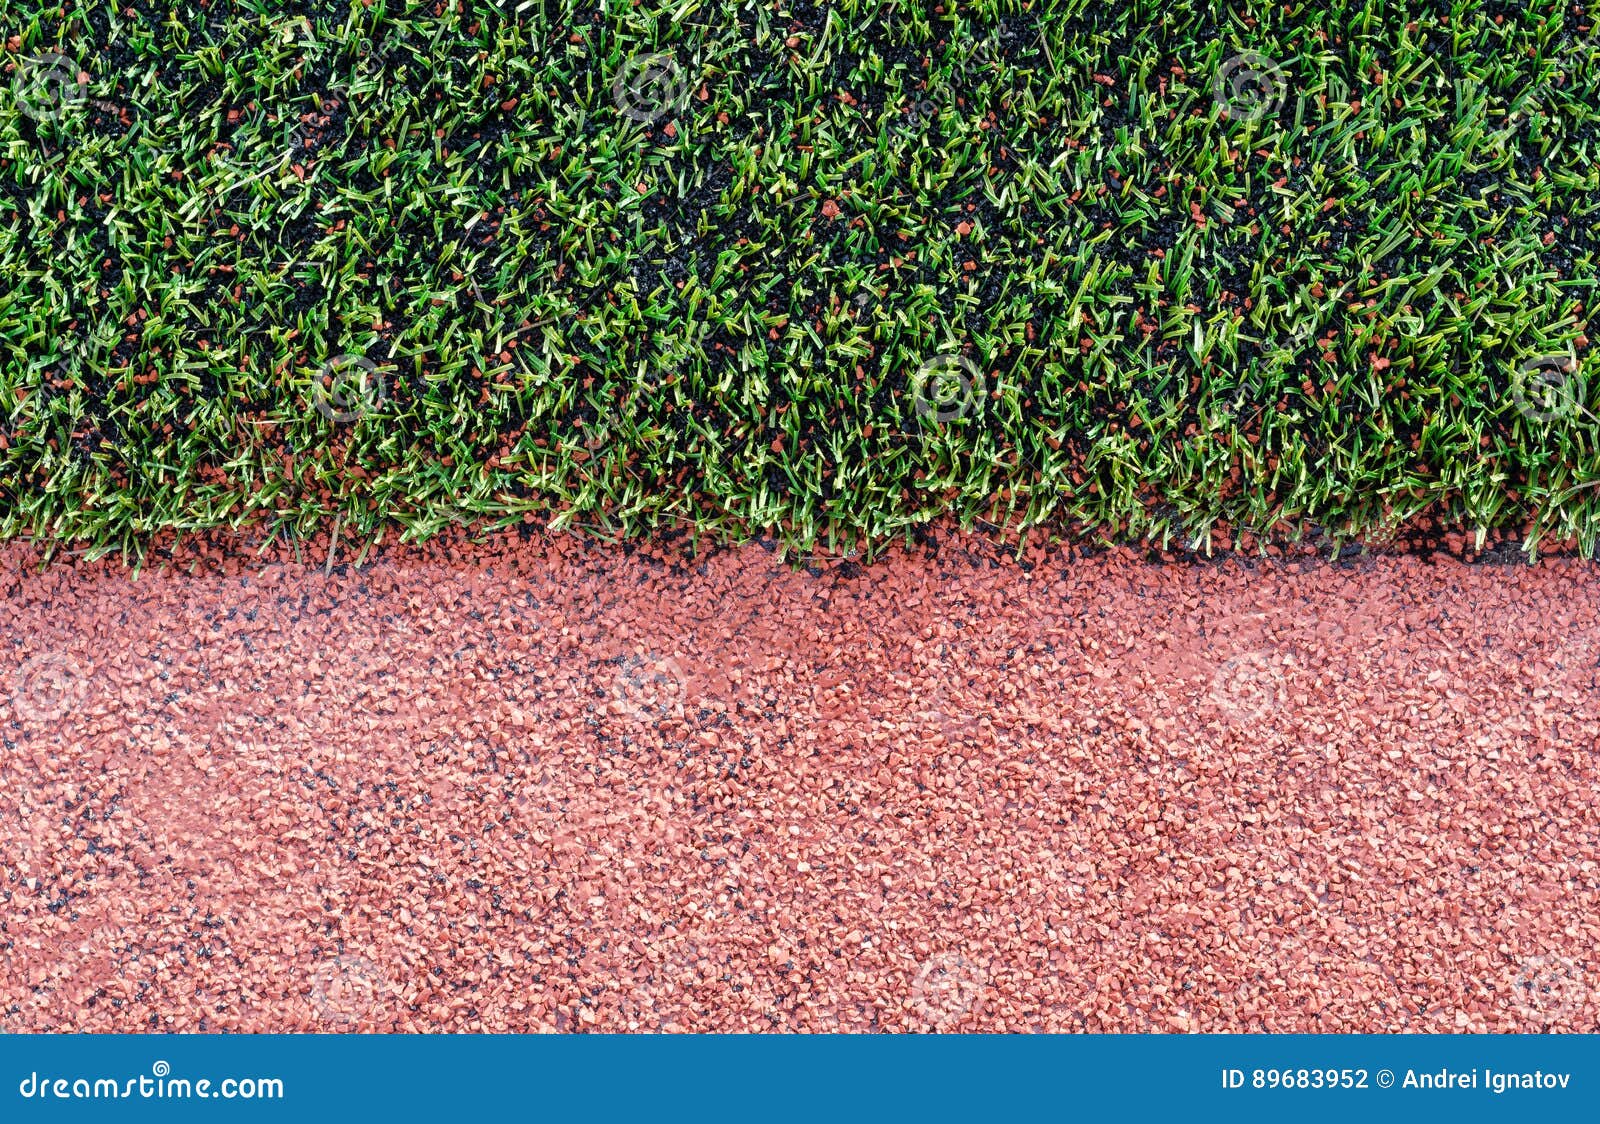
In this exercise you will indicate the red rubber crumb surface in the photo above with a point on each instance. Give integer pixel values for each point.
(546, 785)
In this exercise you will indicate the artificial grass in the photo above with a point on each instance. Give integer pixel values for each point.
(829, 270)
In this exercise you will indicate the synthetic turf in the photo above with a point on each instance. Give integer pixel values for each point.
(831, 270)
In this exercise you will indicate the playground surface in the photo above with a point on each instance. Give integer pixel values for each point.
(541, 783)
